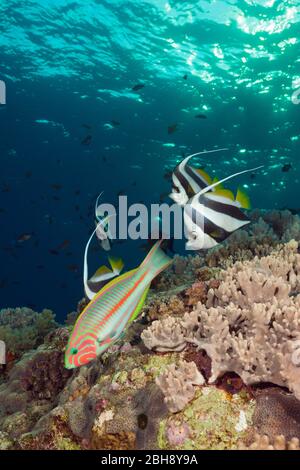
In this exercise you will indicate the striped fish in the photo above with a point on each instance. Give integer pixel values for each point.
(103, 275)
(210, 218)
(188, 181)
(116, 305)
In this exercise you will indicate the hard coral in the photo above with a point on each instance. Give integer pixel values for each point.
(277, 412)
(23, 329)
(177, 434)
(177, 384)
(265, 443)
(164, 335)
(250, 324)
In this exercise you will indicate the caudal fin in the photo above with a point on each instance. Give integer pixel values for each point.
(156, 260)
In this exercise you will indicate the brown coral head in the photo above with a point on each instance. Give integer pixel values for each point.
(201, 359)
(231, 383)
(45, 375)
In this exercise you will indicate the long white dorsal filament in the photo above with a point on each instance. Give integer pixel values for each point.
(205, 190)
(186, 159)
(90, 294)
(96, 205)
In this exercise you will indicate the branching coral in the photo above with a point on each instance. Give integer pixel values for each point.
(250, 324)
(177, 384)
(164, 335)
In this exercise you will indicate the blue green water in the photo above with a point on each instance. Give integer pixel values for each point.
(70, 68)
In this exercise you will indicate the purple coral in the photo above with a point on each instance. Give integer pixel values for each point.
(177, 434)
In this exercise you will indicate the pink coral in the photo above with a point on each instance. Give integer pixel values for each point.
(177, 434)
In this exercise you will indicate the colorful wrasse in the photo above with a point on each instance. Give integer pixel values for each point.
(119, 302)
(210, 217)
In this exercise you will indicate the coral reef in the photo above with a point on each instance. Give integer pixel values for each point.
(45, 375)
(212, 362)
(23, 329)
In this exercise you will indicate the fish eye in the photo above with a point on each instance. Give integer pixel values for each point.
(176, 189)
(74, 351)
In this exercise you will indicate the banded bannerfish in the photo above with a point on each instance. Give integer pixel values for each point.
(189, 181)
(117, 304)
(103, 274)
(210, 217)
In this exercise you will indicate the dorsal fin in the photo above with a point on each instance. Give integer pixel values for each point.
(212, 186)
(224, 193)
(100, 272)
(204, 175)
(216, 180)
(117, 264)
(186, 159)
(243, 198)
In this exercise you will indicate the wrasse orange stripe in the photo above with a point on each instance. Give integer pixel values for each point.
(121, 302)
(88, 308)
(86, 342)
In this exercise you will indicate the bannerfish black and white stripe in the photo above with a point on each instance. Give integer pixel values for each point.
(188, 181)
(210, 218)
(103, 274)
